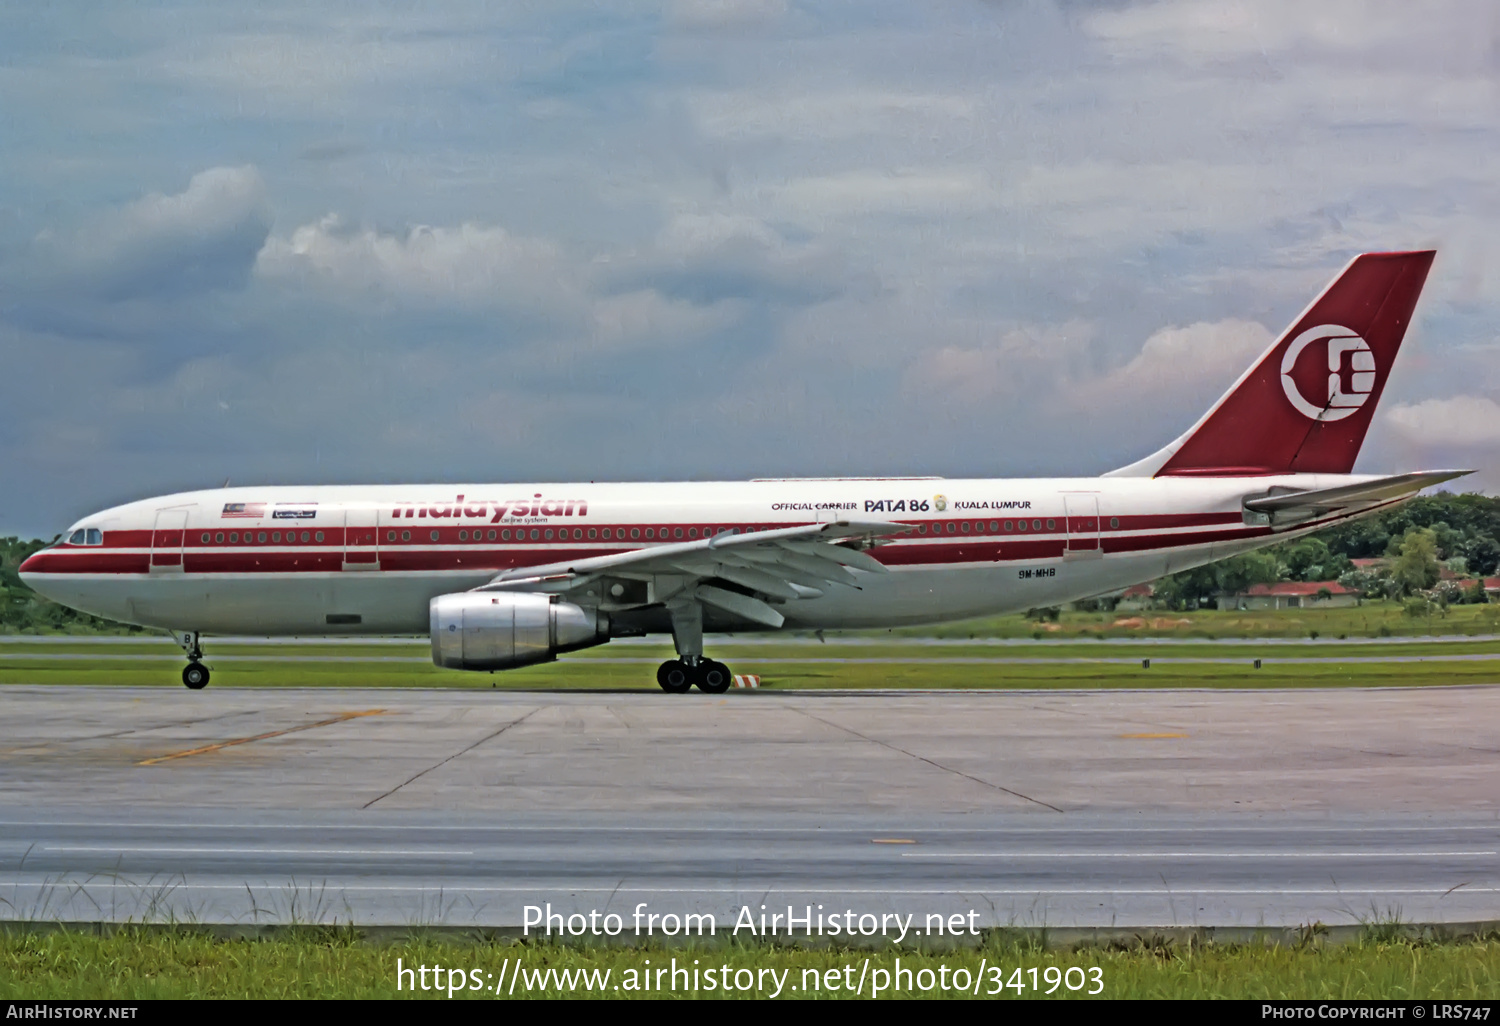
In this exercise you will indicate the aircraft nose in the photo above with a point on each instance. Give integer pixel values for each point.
(31, 564)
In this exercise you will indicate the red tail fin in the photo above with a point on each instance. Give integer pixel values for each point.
(1306, 404)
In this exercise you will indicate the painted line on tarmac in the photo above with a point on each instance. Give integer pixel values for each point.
(341, 718)
(1193, 854)
(751, 887)
(155, 850)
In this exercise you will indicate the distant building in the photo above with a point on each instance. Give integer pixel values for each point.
(1136, 597)
(1292, 595)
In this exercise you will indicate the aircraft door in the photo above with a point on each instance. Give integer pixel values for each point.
(361, 539)
(1082, 513)
(166, 541)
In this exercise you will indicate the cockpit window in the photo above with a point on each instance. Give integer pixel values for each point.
(76, 538)
(86, 536)
(95, 536)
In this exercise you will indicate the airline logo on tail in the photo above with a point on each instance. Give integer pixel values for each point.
(1350, 381)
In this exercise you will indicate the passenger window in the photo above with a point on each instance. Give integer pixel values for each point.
(549, 534)
(219, 537)
(1114, 521)
(463, 535)
(433, 536)
(234, 537)
(606, 533)
(592, 534)
(677, 533)
(994, 526)
(304, 536)
(1036, 525)
(966, 527)
(951, 528)
(276, 536)
(535, 534)
(650, 533)
(1009, 525)
(492, 534)
(390, 536)
(635, 532)
(1021, 525)
(319, 536)
(692, 532)
(261, 537)
(205, 538)
(406, 536)
(1051, 525)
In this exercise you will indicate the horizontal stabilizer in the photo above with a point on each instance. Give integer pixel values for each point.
(1316, 502)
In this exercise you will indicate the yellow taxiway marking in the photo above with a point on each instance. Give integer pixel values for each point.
(1152, 736)
(340, 718)
(892, 840)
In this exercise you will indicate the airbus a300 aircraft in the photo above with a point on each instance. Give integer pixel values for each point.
(509, 575)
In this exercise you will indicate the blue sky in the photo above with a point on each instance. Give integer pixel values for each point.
(712, 238)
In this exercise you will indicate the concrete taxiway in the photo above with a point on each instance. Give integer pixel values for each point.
(1097, 808)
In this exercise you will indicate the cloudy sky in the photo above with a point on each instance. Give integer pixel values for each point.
(712, 238)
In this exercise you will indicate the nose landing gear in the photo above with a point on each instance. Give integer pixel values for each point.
(195, 675)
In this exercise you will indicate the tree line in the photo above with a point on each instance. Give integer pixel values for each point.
(1414, 541)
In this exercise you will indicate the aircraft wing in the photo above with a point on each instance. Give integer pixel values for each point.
(1293, 506)
(782, 564)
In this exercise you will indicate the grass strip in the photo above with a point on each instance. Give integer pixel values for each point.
(134, 963)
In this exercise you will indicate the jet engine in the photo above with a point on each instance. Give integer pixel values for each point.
(479, 630)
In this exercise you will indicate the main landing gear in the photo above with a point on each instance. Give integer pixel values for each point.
(195, 674)
(690, 668)
(678, 675)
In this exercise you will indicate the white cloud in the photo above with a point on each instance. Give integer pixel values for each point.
(931, 192)
(1178, 360)
(647, 319)
(813, 116)
(204, 237)
(726, 14)
(1219, 29)
(474, 265)
(1462, 421)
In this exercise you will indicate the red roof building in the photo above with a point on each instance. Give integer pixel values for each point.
(1291, 595)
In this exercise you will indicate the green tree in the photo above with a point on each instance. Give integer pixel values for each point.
(1416, 565)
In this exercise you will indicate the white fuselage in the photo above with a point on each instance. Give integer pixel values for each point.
(368, 559)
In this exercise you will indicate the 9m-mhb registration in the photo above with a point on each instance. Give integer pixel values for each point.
(808, 920)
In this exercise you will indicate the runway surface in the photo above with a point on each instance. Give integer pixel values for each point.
(411, 807)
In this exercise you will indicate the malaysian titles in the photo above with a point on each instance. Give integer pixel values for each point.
(534, 508)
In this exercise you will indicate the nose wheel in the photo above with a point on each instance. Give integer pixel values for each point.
(677, 676)
(195, 674)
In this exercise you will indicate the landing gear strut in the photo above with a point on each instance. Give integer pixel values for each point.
(690, 668)
(195, 674)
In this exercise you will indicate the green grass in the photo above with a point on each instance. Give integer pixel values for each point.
(335, 963)
(1063, 664)
(1366, 621)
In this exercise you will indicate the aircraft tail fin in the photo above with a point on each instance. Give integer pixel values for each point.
(1305, 405)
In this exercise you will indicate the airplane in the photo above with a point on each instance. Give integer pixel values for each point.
(501, 576)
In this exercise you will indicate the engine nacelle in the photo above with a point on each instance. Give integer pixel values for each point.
(499, 630)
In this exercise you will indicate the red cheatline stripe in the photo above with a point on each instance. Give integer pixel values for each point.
(323, 559)
(421, 532)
